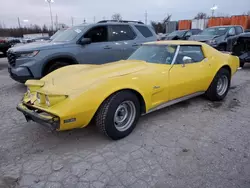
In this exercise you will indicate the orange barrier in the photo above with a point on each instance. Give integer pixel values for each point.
(184, 24)
(244, 21)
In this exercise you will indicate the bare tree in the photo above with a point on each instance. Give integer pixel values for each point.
(160, 27)
(201, 15)
(116, 16)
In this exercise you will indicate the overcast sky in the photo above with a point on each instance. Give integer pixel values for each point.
(37, 11)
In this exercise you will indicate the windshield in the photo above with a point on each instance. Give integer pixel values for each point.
(177, 33)
(215, 31)
(56, 34)
(68, 34)
(161, 54)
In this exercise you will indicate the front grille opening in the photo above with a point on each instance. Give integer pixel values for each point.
(11, 58)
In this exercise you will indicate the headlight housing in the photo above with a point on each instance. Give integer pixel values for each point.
(28, 54)
(213, 42)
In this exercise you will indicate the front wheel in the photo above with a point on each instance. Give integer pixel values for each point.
(118, 115)
(220, 85)
(56, 65)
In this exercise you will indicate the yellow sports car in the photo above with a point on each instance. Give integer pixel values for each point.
(115, 95)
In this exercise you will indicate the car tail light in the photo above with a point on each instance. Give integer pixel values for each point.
(2, 41)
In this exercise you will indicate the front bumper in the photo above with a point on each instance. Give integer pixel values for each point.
(20, 74)
(48, 120)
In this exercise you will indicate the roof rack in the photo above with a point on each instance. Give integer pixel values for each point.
(121, 21)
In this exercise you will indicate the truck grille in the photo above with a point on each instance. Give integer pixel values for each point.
(11, 58)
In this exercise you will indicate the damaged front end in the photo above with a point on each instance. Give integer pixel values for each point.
(240, 46)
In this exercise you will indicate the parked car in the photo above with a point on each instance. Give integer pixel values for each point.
(240, 46)
(182, 34)
(98, 43)
(114, 95)
(218, 36)
(6, 43)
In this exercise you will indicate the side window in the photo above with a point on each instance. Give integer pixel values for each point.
(97, 34)
(144, 31)
(189, 33)
(193, 52)
(231, 31)
(239, 30)
(121, 33)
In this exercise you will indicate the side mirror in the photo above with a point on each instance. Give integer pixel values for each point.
(84, 41)
(231, 32)
(187, 59)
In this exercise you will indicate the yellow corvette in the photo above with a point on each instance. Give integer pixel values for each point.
(115, 95)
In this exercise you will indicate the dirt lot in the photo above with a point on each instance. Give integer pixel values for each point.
(190, 145)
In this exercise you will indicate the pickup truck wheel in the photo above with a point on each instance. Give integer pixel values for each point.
(55, 66)
(118, 115)
(220, 85)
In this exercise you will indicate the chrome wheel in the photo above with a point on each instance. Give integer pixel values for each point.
(124, 115)
(222, 85)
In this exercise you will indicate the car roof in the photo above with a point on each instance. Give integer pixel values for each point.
(175, 42)
(226, 26)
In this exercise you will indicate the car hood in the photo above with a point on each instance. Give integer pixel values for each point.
(75, 78)
(36, 46)
(202, 37)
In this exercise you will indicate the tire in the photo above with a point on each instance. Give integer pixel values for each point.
(107, 116)
(223, 79)
(242, 64)
(55, 66)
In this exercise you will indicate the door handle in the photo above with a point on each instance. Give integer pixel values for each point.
(134, 45)
(107, 47)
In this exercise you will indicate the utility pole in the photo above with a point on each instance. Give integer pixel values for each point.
(84, 20)
(18, 21)
(146, 17)
(72, 21)
(56, 22)
(94, 19)
(51, 17)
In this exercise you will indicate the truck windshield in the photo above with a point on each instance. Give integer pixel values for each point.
(177, 33)
(215, 31)
(68, 34)
(160, 54)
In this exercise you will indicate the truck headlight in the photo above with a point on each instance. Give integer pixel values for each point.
(28, 54)
(47, 100)
(38, 97)
(213, 42)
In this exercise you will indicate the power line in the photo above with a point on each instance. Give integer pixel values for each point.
(72, 21)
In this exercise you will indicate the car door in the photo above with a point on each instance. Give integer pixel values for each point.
(122, 38)
(100, 50)
(189, 73)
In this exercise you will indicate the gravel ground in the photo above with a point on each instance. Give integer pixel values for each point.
(193, 144)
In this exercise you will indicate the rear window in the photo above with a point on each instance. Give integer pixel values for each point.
(144, 31)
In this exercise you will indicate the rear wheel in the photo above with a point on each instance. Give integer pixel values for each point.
(220, 85)
(118, 115)
(56, 65)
